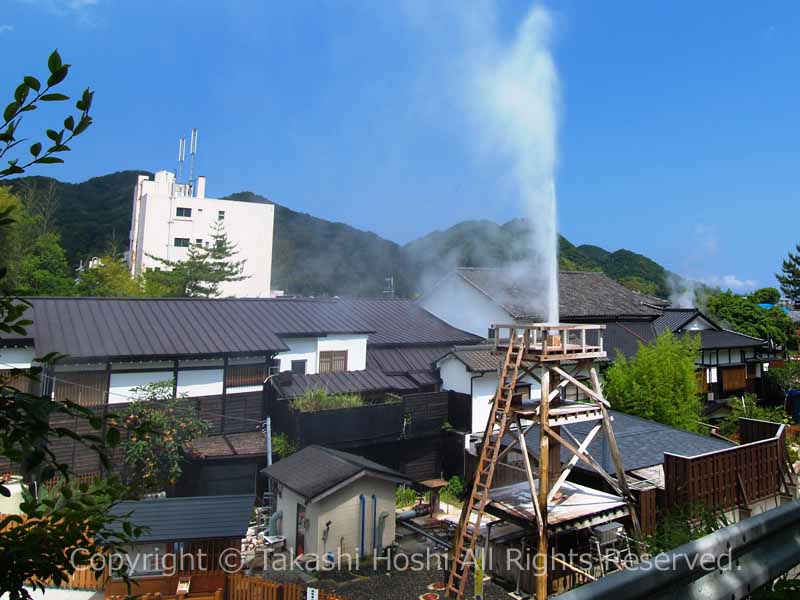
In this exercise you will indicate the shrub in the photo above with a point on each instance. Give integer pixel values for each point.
(748, 407)
(404, 496)
(315, 400)
(454, 491)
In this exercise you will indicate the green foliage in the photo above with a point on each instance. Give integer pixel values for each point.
(743, 314)
(405, 496)
(110, 277)
(205, 268)
(782, 588)
(453, 492)
(684, 524)
(317, 399)
(30, 95)
(637, 284)
(789, 277)
(747, 407)
(43, 269)
(659, 383)
(159, 427)
(786, 377)
(768, 295)
(282, 446)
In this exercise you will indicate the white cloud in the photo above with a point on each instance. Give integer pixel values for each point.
(78, 8)
(731, 282)
(6, 29)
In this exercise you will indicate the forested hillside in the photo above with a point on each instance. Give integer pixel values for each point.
(313, 256)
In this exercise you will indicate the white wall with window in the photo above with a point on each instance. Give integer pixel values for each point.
(343, 352)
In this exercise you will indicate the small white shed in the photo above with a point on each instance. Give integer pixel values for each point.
(332, 503)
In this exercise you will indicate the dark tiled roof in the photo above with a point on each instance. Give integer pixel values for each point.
(625, 336)
(642, 443)
(314, 470)
(711, 339)
(190, 518)
(342, 382)
(249, 443)
(674, 318)
(404, 322)
(581, 295)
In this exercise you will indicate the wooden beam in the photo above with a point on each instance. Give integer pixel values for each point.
(586, 390)
(572, 567)
(544, 488)
(573, 461)
(526, 459)
(587, 458)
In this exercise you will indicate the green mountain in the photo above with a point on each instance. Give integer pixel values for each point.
(312, 256)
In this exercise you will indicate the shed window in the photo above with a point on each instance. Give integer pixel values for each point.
(183, 211)
(181, 242)
(299, 367)
(333, 361)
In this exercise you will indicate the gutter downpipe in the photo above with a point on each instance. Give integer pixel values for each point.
(760, 549)
(381, 525)
(273, 522)
(363, 503)
(374, 522)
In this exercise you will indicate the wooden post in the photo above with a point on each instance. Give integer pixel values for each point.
(544, 487)
(218, 594)
(554, 460)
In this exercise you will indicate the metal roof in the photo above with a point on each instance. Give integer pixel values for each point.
(289, 385)
(99, 329)
(477, 359)
(190, 518)
(315, 470)
(673, 319)
(405, 359)
(642, 443)
(711, 339)
(581, 295)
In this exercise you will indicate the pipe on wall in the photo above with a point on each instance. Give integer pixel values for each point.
(374, 522)
(273, 522)
(381, 525)
(363, 503)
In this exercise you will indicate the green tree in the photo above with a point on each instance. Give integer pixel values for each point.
(110, 277)
(747, 407)
(205, 268)
(43, 270)
(40, 545)
(743, 314)
(786, 377)
(160, 426)
(789, 277)
(637, 284)
(659, 383)
(767, 295)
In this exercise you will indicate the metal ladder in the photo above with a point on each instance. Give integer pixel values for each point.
(468, 532)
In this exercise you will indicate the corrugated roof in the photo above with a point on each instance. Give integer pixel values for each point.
(581, 295)
(342, 382)
(477, 359)
(405, 359)
(190, 518)
(642, 443)
(314, 470)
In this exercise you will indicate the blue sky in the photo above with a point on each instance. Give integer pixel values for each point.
(678, 131)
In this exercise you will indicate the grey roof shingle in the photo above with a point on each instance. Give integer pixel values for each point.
(581, 295)
(674, 318)
(405, 360)
(314, 470)
(642, 443)
(711, 339)
(190, 518)
(343, 382)
(477, 359)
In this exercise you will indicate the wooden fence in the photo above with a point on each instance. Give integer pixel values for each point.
(733, 477)
(242, 587)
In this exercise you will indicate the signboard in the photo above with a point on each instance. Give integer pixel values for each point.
(479, 574)
(312, 594)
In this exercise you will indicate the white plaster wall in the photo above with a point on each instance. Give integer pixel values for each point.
(343, 510)
(16, 358)
(456, 302)
(355, 345)
(287, 503)
(200, 382)
(249, 225)
(122, 384)
(299, 349)
(454, 375)
(697, 324)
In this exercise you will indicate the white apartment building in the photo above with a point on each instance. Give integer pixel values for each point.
(169, 217)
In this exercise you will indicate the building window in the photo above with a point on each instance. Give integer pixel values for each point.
(181, 242)
(333, 361)
(183, 212)
(299, 367)
(221, 215)
(198, 242)
(245, 375)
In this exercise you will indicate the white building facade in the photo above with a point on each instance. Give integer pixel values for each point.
(169, 217)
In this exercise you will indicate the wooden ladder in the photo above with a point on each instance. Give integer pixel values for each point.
(469, 527)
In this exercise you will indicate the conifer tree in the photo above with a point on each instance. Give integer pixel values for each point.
(790, 279)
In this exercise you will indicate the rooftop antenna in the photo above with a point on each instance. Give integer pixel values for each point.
(181, 156)
(192, 152)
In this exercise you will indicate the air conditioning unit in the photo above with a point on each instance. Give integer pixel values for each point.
(608, 532)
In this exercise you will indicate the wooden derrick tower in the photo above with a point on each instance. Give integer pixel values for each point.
(553, 355)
